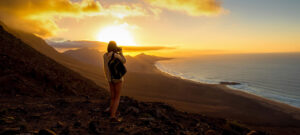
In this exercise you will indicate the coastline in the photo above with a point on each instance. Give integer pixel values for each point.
(228, 89)
(233, 85)
(214, 100)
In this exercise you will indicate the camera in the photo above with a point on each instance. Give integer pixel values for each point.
(119, 49)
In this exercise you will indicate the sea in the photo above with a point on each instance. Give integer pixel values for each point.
(274, 76)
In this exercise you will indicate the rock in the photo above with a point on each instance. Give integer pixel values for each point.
(156, 130)
(158, 113)
(252, 133)
(147, 119)
(77, 124)
(93, 127)
(132, 109)
(10, 131)
(23, 127)
(59, 124)
(97, 109)
(35, 116)
(145, 115)
(161, 115)
(230, 83)
(62, 103)
(21, 110)
(177, 125)
(210, 132)
(65, 131)
(46, 132)
(7, 120)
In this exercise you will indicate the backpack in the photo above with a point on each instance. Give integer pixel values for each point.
(116, 68)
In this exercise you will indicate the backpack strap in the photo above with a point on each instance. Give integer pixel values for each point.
(112, 57)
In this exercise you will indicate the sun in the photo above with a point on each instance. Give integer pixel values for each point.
(118, 33)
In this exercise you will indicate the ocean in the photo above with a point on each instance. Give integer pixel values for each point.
(273, 76)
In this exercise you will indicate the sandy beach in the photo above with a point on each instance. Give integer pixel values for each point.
(212, 100)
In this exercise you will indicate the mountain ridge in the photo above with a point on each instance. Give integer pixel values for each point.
(41, 96)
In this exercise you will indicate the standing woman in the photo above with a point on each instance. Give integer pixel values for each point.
(115, 85)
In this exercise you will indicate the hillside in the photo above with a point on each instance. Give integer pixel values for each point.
(91, 72)
(86, 55)
(41, 96)
(25, 71)
(139, 63)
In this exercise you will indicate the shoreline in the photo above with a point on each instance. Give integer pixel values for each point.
(230, 84)
(213, 100)
(228, 89)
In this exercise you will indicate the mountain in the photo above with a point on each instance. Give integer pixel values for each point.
(86, 55)
(139, 63)
(41, 96)
(25, 71)
(91, 72)
(77, 44)
(143, 63)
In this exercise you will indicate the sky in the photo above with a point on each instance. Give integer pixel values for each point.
(233, 26)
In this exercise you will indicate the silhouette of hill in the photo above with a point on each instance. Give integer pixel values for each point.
(41, 96)
(86, 55)
(139, 63)
(89, 71)
(25, 71)
(78, 44)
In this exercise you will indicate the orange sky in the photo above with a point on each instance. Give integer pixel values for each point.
(227, 26)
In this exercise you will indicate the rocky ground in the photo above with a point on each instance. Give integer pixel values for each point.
(75, 115)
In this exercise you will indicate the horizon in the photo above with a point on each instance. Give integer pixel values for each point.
(162, 51)
(195, 27)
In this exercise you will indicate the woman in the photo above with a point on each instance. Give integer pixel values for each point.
(115, 85)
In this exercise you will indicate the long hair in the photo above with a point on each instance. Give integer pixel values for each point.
(112, 46)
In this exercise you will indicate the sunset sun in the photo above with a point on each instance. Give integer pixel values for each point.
(120, 34)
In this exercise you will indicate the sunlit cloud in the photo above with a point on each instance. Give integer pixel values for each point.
(39, 16)
(122, 11)
(190, 7)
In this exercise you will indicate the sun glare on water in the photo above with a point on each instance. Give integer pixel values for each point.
(120, 34)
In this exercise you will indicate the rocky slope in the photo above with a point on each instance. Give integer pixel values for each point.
(40, 96)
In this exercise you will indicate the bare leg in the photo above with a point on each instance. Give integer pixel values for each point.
(118, 88)
(112, 95)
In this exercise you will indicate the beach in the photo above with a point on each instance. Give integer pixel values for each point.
(212, 100)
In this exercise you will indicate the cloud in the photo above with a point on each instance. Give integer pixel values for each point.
(190, 7)
(39, 16)
(122, 11)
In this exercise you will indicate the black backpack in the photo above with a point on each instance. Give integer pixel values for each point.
(116, 68)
